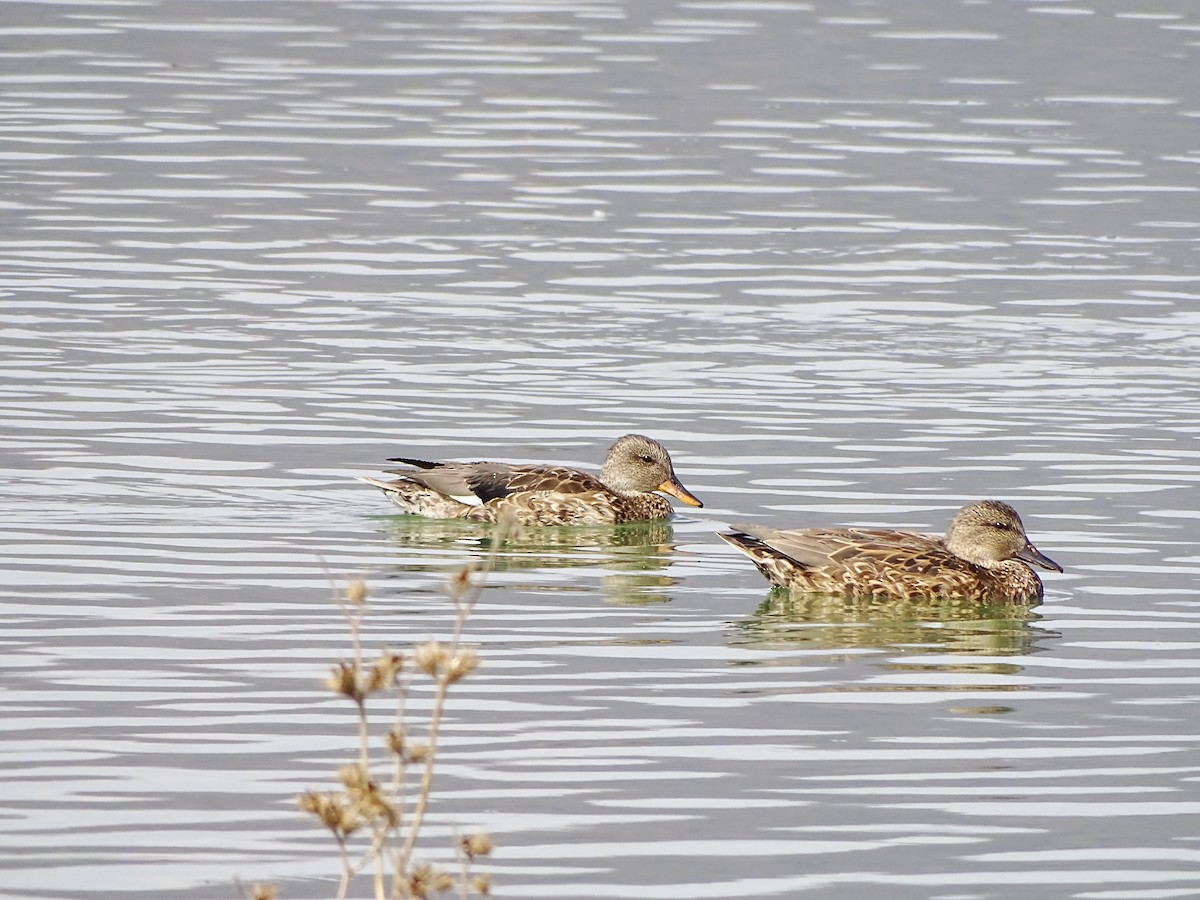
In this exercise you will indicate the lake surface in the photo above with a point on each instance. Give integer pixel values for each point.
(853, 263)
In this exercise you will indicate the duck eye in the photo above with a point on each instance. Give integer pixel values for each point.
(646, 458)
(1003, 526)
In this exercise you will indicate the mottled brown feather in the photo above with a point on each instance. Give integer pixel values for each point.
(535, 494)
(493, 483)
(986, 563)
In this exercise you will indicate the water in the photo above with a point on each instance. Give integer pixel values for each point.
(850, 263)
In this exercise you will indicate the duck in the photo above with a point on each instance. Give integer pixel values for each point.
(635, 469)
(985, 556)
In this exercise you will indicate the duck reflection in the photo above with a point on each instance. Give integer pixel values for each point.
(789, 620)
(634, 557)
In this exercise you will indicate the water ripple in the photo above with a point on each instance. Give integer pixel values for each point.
(849, 268)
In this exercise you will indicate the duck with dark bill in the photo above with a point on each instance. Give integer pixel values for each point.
(985, 555)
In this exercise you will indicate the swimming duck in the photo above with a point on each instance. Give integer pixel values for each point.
(634, 468)
(983, 556)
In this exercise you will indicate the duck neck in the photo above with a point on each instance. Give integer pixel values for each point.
(965, 550)
(615, 482)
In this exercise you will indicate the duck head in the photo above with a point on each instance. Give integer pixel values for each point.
(636, 464)
(990, 532)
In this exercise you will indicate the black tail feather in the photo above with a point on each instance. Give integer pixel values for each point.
(419, 463)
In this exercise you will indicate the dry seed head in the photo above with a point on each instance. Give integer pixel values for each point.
(460, 583)
(356, 592)
(395, 740)
(371, 805)
(356, 779)
(462, 664)
(349, 822)
(430, 657)
(342, 681)
(383, 674)
(442, 882)
(381, 810)
(419, 753)
(263, 891)
(477, 845)
(482, 884)
(310, 801)
(368, 801)
(419, 877)
(327, 808)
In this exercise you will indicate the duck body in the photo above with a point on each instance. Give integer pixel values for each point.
(635, 468)
(984, 556)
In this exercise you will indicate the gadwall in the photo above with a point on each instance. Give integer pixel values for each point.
(634, 468)
(982, 557)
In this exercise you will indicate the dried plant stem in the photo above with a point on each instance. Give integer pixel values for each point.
(465, 593)
(380, 884)
(435, 721)
(384, 811)
(355, 618)
(347, 871)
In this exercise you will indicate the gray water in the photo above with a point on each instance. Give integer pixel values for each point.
(853, 263)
